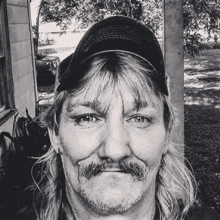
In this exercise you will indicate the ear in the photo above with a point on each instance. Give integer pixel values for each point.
(55, 140)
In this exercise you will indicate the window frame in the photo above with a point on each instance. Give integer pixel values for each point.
(6, 81)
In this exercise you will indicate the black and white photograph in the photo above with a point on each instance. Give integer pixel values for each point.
(109, 110)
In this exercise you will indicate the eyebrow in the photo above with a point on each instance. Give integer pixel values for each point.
(98, 106)
(139, 105)
(95, 105)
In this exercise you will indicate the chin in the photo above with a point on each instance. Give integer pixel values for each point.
(110, 202)
(112, 195)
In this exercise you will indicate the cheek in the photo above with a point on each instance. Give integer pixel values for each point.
(79, 144)
(70, 168)
(149, 146)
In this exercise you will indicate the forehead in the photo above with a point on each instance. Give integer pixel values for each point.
(95, 98)
(130, 80)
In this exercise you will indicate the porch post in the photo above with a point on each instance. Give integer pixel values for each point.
(173, 55)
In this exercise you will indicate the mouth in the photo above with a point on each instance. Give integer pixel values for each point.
(118, 170)
(135, 170)
(113, 167)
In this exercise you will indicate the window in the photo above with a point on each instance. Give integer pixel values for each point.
(6, 83)
(2, 59)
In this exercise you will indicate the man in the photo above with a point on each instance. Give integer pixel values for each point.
(109, 126)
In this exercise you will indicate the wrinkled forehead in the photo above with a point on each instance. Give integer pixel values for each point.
(121, 74)
(101, 96)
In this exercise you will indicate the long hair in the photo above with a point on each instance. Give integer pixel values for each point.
(175, 184)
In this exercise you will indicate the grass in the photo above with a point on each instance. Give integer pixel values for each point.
(202, 124)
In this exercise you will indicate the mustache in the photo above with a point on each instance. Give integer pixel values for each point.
(138, 172)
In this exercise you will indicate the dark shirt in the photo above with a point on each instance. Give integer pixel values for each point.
(195, 213)
(202, 213)
(198, 213)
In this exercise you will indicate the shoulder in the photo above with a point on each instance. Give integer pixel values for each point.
(202, 213)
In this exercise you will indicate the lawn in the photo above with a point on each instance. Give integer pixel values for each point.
(202, 123)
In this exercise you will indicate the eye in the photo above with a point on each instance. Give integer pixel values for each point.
(85, 120)
(140, 121)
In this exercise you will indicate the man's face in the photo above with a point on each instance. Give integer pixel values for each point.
(111, 150)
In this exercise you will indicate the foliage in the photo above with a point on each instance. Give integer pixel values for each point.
(59, 11)
(93, 11)
(87, 12)
(29, 138)
(192, 44)
(210, 45)
(28, 141)
(197, 14)
(201, 14)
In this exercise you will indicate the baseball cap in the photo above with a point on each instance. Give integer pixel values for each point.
(117, 33)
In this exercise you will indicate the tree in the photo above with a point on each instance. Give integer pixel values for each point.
(87, 12)
(36, 6)
(197, 14)
(201, 14)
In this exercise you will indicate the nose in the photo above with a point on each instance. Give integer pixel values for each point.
(115, 142)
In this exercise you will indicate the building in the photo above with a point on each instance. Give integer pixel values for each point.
(17, 65)
(17, 83)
